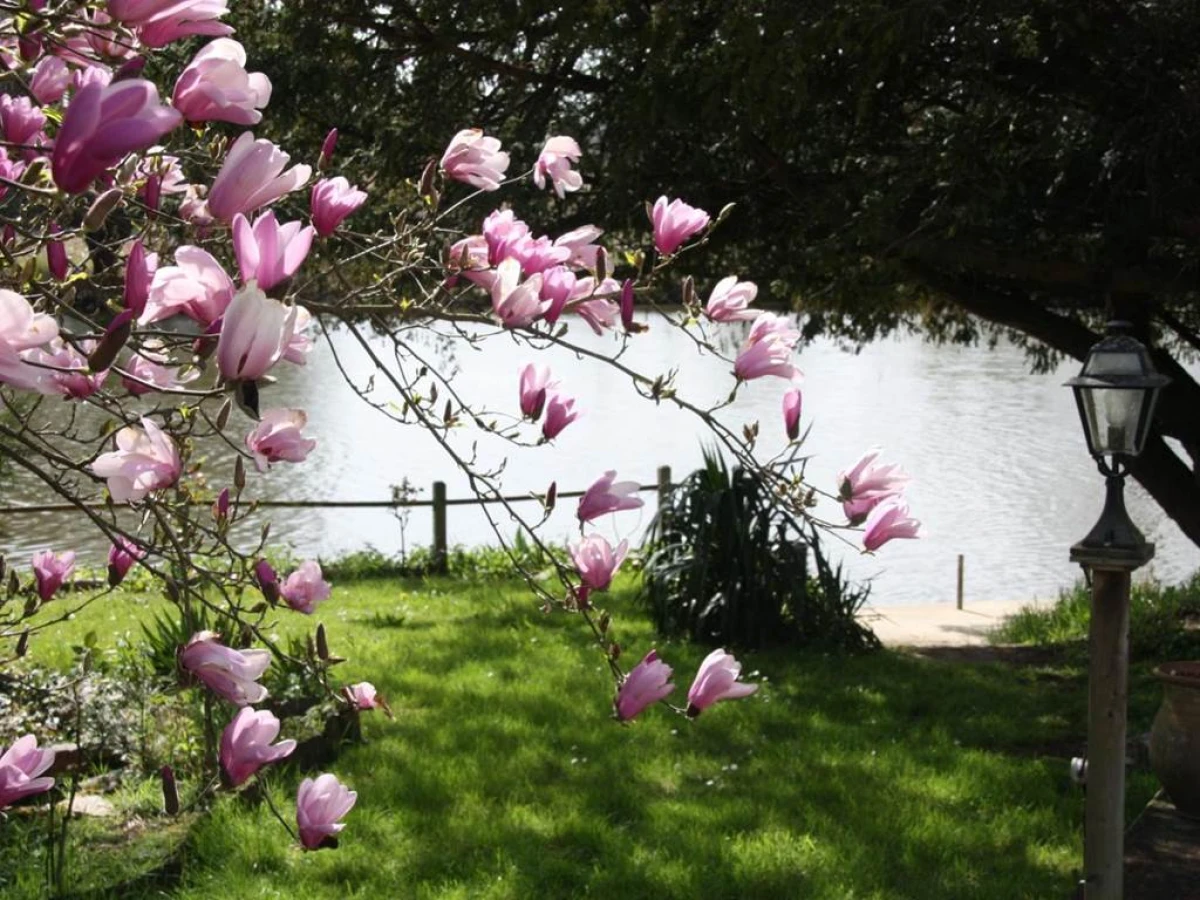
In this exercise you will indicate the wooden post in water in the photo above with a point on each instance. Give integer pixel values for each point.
(440, 551)
(960, 580)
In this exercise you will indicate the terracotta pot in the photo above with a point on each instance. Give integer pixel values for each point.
(1175, 736)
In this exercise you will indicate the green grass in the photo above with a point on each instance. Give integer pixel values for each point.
(502, 776)
(1158, 620)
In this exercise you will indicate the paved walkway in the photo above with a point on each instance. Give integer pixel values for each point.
(939, 624)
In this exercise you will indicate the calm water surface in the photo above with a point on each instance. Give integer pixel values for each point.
(999, 469)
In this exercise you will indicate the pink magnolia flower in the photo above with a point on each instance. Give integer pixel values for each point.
(889, 519)
(301, 344)
(305, 588)
(558, 283)
(597, 562)
(471, 257)
(145, 373)
(560, 412)
(333, 200)
(867, 484)
(246, 745)
(277, 438)
(592, 302)
(255, 332)
(791, 413)
(717, 680)
(49, 80)
(252, 176)
(647, 682)
(475, 159)
(674, 223)
(196, 286)
(516, 303)
(51, 570)
(554, 162)
(68, 373)
(121, 557)
(20, 327)
(21, 120)
(145, 460)
(538, 254)
(580, 242)
(159, 22)
(605, 497)
(768, 349)
(534, 384)
(20, 767)
(269, 253)
(102, 125)
(504, 233)
(319, 805)
(215, 86)
(228, 673)
(363, 696)
(729, 299)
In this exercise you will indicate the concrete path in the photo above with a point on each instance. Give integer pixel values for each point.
(939, 624)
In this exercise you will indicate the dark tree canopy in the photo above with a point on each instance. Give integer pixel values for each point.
(959, 167)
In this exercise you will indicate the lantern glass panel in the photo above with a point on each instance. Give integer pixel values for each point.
(1112, 416)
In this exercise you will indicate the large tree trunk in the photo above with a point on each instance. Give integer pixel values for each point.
(1169, 479)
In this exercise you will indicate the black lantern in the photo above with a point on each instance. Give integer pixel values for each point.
(1116, 393)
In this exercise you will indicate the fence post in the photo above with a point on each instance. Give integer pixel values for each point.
(440, 557)
(960, 580)
(664, 485)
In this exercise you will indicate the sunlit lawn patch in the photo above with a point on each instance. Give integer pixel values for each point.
(503, 775)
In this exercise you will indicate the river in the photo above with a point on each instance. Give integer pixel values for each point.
(1000, 472)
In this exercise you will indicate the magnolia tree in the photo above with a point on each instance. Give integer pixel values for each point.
(159, 261)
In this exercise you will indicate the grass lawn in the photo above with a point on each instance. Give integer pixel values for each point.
(503, 776)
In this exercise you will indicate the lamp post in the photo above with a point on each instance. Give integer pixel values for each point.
(1115, 393)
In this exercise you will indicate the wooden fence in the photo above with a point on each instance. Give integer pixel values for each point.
(439, 503)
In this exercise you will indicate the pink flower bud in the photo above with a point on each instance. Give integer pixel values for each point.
(231, 674)
(333, 200)
(51, 570)
(255, 332)
(102, 125)
(674, 223)
(597, 562)
(534, 384)
(320, 803)
(560, 412)
(145, 460)
(121, 557)
(791, 413)
(246, 745)
(890, 519)
(20, 767)
(269, 253)
(717, 680)
(327, 147)
(647, 682)
(215, 86)
(605, 497)
(305, 588)
(475, 159)
(554, 163)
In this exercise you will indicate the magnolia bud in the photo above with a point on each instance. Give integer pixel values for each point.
(322, 642)
(601, 264)
(98, 212)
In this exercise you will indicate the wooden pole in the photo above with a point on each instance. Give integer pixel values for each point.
(664, 485)
(960, 581)
(440, 551)
(1108, 691)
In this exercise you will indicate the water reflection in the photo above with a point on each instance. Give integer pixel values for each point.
(997, 459)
